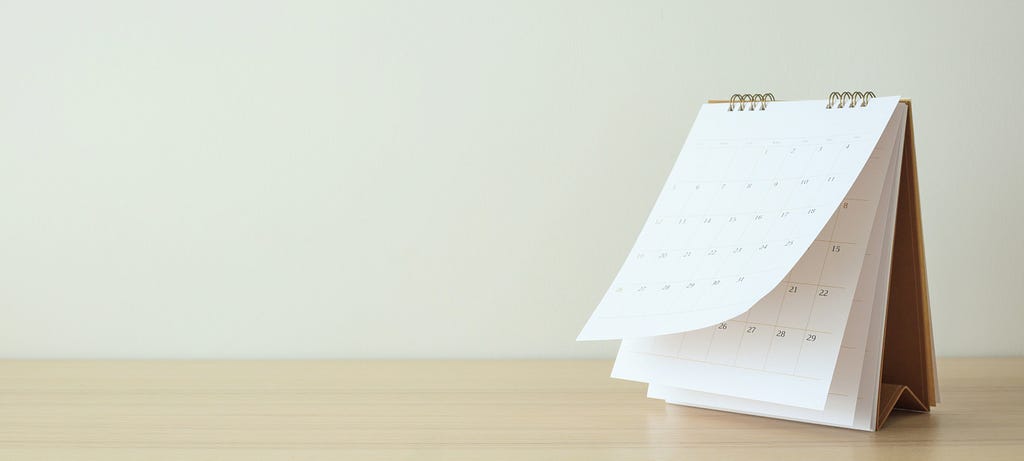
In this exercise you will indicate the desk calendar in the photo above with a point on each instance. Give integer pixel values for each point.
(781, 270)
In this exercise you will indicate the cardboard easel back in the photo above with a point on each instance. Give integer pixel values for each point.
(908, 358)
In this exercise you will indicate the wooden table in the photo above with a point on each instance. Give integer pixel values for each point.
(478, 410)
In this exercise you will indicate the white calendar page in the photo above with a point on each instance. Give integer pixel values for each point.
(784, 349)
(852, 396)
(748, 195)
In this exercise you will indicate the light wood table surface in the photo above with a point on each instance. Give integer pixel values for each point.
(478, 410)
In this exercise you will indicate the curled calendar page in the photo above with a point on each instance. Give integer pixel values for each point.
(746, 345)
(748, 196)
(799, 352)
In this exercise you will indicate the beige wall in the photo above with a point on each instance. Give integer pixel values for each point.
(440, 179)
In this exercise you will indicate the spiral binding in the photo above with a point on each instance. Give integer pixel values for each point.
(847, 99)
(749, 101)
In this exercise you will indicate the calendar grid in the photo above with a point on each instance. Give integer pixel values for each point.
(814, 300)
(777, 326)
(803, 178)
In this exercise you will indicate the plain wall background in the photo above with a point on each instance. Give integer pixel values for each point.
(440, 179)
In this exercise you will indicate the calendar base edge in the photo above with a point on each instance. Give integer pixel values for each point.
(897, 397)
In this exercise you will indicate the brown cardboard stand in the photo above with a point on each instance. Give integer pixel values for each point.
(908, 380)
(908, 355)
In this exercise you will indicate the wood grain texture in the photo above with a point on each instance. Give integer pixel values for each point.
(493, 410)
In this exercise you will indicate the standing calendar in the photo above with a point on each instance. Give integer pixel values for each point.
(781, 270)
